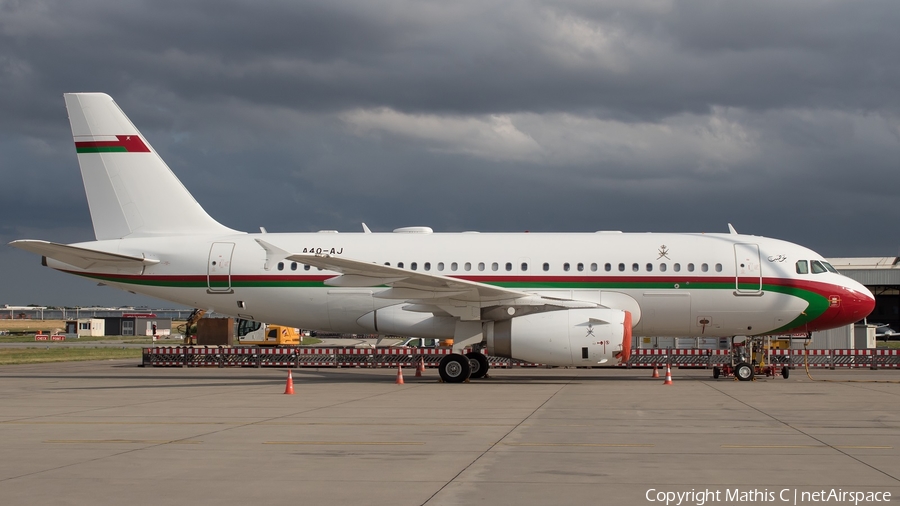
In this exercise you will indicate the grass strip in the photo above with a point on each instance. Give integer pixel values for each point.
(11, 356)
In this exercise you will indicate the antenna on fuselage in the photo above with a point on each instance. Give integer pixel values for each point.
(366, 229)
(731, 230)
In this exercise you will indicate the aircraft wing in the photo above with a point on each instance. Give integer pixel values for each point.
(405, 284)
(81, 257)
(433, 293)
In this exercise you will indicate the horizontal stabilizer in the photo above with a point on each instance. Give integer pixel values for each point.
(81, 257)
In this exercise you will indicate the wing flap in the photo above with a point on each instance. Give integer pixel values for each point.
(82, 258)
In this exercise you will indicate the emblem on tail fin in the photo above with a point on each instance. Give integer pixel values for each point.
(122, 144)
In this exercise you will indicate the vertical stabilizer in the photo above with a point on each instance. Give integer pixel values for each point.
(130, 190)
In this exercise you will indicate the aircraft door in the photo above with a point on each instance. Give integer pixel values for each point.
(218, 277)
(748, 272)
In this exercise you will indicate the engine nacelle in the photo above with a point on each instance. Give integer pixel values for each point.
(396, 320)
(583, 337)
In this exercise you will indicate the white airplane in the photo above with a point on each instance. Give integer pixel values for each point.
(558, 299)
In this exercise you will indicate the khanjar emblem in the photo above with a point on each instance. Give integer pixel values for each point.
(590, 331)
(663, 252)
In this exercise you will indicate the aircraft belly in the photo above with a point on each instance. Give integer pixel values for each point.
(665, 313)
(722, 313)
(346, 306)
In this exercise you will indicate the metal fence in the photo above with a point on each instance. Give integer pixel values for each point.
(305, 356)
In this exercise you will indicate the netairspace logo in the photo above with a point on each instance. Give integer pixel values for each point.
(784, 496)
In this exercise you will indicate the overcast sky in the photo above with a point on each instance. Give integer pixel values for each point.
(782, 118)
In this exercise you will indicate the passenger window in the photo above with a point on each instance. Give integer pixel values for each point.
(400, 264)
(662, 267)
(566, 267)
(817, 267)
(480, 266)
(621, 267)
(580, 267)
(454, 266)
(495, 266)
(524, 267)
(387, 263)
(607, 267)
(280, 266)
(690, 267)
(649, 267)
(508, 266)
(413, 265)
(306, 267)
(468, 266)
(635, 267)
(546, 267)
(676, 267)
(293, 266)
(718, 267)
(427, 266)
(594, 267)
(440, 266)
(704, 267)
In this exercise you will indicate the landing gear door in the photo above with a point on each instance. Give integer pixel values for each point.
(218, 276)
(748, 280)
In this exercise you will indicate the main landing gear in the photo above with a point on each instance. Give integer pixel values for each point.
(457, 368)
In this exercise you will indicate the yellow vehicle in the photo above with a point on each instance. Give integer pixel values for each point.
(255, 333)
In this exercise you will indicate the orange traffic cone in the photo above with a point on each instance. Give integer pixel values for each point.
(420, 367)
(289, 388)
(655, 372)
(399, 374)
(668, 375)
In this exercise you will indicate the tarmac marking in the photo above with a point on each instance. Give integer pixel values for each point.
(288, 424)
(345, 443)
(25, 422)
(596, 445)
(852, 447)
(127, 441)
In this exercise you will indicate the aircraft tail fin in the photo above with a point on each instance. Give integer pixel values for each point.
(131, 191)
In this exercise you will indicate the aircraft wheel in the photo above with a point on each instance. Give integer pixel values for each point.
(785, 372)
(743, 371)
(454, 368)
(478, 364)
(716, 373)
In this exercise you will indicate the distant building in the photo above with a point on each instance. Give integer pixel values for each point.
(140, 324)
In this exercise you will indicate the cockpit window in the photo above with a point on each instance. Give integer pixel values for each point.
(817, 267)
(830, 268)
(802, 267)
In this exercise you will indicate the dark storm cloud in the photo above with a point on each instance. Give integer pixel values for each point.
(781, 117)
(627, 59)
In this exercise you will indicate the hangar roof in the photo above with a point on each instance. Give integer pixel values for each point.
(870, 271)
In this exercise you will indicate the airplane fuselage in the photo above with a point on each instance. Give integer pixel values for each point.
(675, 284)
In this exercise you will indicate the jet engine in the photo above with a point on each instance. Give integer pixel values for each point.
(581, 337)
(396, 320)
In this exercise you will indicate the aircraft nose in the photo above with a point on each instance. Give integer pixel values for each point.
(856, 303)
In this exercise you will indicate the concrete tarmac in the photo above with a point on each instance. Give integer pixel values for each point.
(112, 433)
